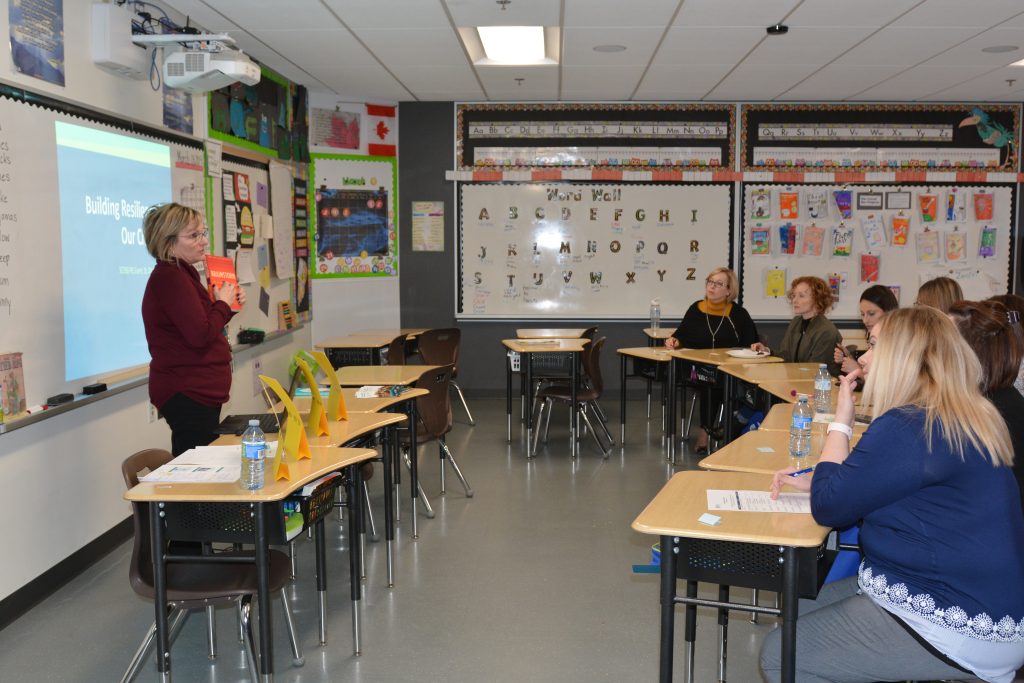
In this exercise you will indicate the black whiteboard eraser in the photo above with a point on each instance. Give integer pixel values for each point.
(59, 399)
(97, 388)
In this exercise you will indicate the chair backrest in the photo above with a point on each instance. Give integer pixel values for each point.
(440, 346)
(589, 333)
(140, 571)
(396, 350)
(435, 409)
(592, 364)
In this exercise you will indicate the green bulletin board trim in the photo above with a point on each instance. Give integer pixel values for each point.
(312, 212)
(246, 144)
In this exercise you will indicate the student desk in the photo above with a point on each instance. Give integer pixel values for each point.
(770, 551)
(780, 416)
(656, 336)
(550, 332)
(344, 432)
(409, 332)
(743, 379)
(712, 358)
(362, 375)
(747, 453)
(324, 461)
(527, 349)
(787, 389)
(377, 404)
(652, 354)
(355, 349)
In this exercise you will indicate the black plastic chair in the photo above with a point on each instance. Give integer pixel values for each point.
(192, 585)
(441, 347)
(397, 350)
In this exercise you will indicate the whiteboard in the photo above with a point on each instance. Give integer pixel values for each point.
(31, 295)
(588, 251)
(901, 267)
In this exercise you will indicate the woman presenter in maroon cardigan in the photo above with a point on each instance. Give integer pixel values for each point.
(190, 370)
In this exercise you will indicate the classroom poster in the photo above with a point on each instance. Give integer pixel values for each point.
(302, 283)
(37, 38)
(354, 209)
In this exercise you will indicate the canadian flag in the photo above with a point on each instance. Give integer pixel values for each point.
(381, 134)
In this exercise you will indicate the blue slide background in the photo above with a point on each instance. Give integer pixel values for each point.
(103, 328)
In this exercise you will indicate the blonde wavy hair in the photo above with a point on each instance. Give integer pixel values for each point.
(921, 360)
(730, 278)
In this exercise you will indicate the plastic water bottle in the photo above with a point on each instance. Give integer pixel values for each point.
(254, 448)
(823, 390)
(655, 314)
(800, 433)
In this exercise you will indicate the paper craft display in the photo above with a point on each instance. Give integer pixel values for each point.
(775, 282)
(787, 238)
(760, 241)
(817, 204)
(900, 230)
(814, 240)
(869, 268)
(316, 422)
(928, 246)
(983, 206)
(929, 204)
(789, 205)
(835, 283)
(956, 206)
(761, 203)
(874, 232)
(844, 202)
(292, 443)
(987, 244)
(955, 247)
(335, 401)
(842, 240)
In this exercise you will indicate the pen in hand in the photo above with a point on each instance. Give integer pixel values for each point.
(803, 471)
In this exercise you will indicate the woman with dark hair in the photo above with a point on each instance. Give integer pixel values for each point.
(993, 332)
(1015, 304)
(875, 301)
(810, 337)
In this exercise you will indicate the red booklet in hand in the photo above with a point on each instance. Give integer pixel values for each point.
(221, 270)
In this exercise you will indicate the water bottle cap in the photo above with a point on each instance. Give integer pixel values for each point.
(823, 365)
(655, 302)
(254, 423)
(801, 397)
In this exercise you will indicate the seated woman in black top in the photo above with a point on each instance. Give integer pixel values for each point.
(875, 301)
(714, 322)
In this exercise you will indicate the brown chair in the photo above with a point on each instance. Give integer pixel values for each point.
(397, 350)
(434, 421)
(192, 585)
(441, 347)
(587, 396)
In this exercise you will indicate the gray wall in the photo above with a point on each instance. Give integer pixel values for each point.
(426, 133)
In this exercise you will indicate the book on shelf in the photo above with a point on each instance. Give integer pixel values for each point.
(219, 271)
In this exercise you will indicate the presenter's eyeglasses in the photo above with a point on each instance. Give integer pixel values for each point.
(716, 284)
(196, 236)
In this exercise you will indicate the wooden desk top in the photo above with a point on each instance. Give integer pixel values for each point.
(339, 432)
(548, 345)
(551, 333)
(657, 354)
(660, 333)
(324, 461)
(781, 414)
(787, 389)
(359, 375)
(410, 332)
(743, 454)
(355, 341)
(674, 512)
(758, 372)
(358, 405)
(719, 357)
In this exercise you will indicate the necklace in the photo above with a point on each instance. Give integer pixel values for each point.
(714, 332)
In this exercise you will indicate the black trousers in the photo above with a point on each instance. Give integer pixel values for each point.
(192, 423)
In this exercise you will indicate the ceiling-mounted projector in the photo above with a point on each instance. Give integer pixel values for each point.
(200, 71)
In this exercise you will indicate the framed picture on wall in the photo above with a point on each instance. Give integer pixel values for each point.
(897, 200)
(869, 201)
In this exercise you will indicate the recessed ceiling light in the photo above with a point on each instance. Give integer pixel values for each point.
(609, 48)
(516, 45)
(777, 30)
(996, 49)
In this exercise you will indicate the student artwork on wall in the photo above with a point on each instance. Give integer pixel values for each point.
(894, 247)
(775, 282)
(352, 216)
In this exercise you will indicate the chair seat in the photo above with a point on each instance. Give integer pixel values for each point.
(561, 392)
(203, 582)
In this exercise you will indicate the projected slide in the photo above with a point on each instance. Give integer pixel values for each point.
(106, 183)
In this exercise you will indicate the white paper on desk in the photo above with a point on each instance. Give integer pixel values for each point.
(828, 418)
(758, 501)
(369, 391)
(205, 464)
(539, 342)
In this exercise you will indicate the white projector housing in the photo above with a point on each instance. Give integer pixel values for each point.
(197, 71)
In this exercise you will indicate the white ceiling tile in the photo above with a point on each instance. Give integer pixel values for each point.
(680, 82)
(419, 78)
(734, 12)
(518, 13)
(686, 46)
(838, 82)
(842, 13)
(610, 82)
(979, 14)
(539, 82)
(578, 45)
(261, 14)
(318, 48)
(755, 81)
(920, 81)
(614, 13)
(368, 83)
(998, 85)
(807, 45)
(360, 14)
(904, 45)
(415, 46)
(200, 13)
(970, 52)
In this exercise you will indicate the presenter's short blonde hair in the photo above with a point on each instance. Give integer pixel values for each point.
(161, 226)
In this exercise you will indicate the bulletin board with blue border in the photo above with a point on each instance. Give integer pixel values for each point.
(353, 215)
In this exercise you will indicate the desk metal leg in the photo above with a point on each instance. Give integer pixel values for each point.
(575, 406)
(414, 472)
(622, 401)
(163, 647)
(389, 445)
(508, 394)
(527, 358)
(723, 632)
(668, 607)
(321, 578)
(729, 389)
(355, 514)
(671, 431)
(790, 604)
(690, 630)
(266, 663)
